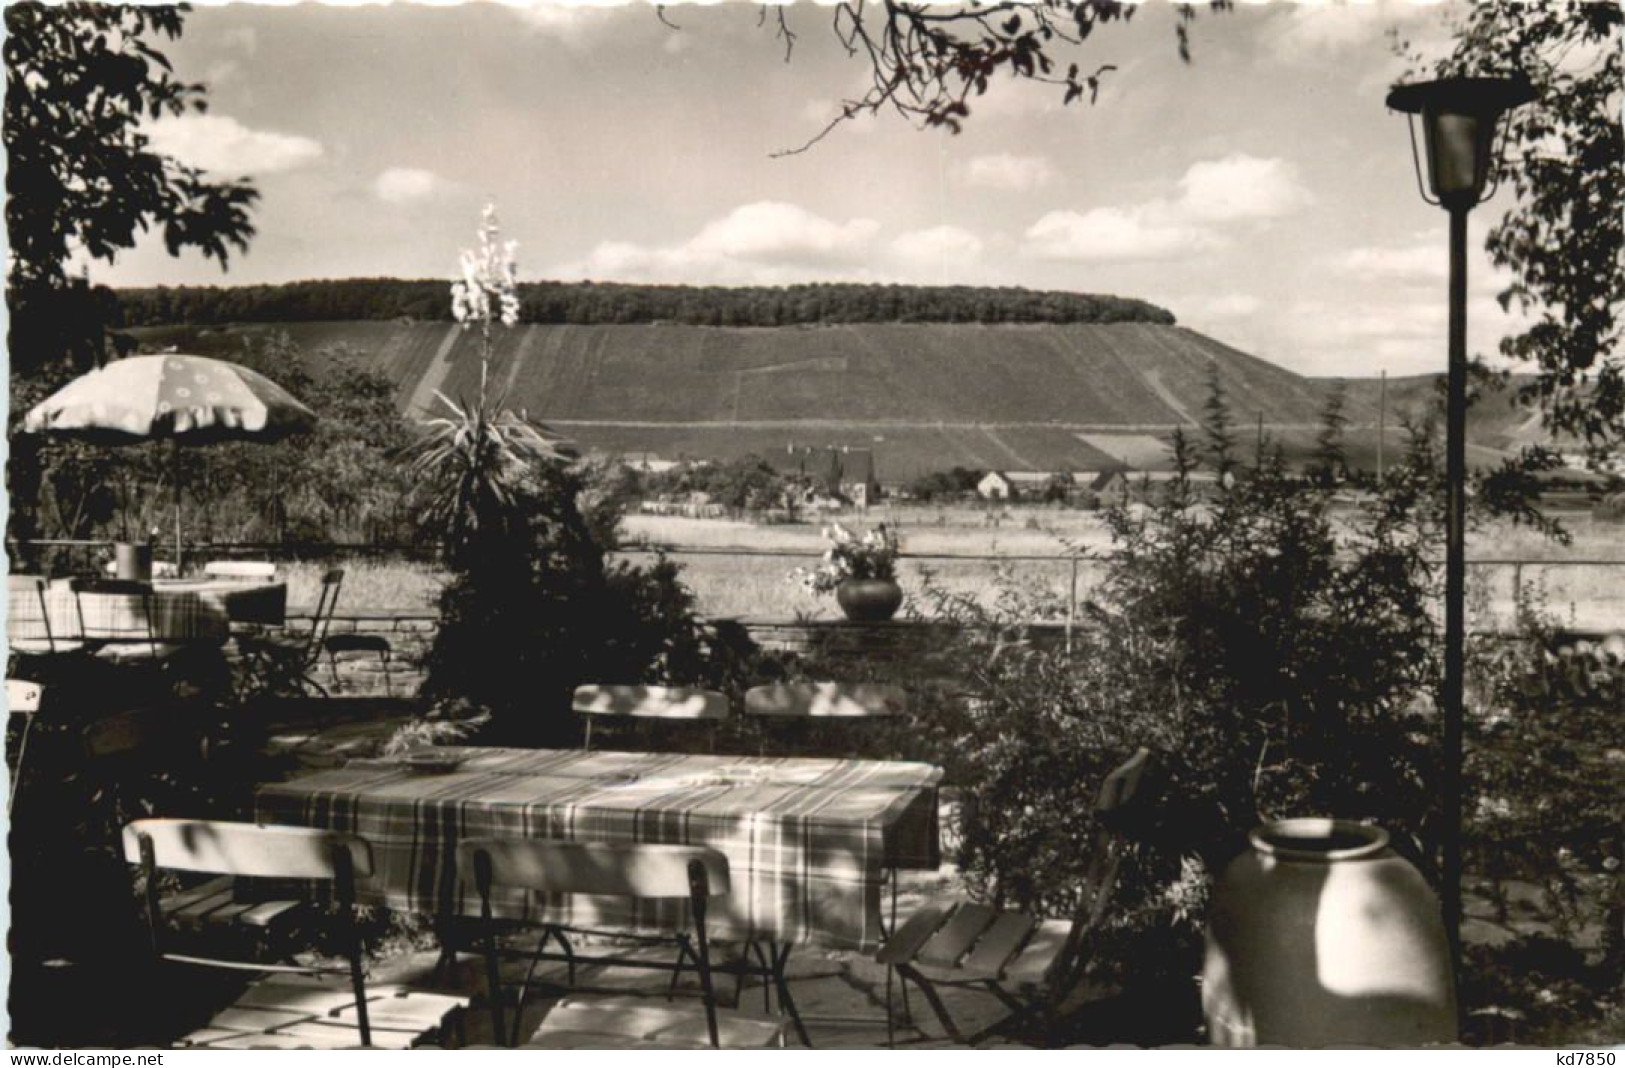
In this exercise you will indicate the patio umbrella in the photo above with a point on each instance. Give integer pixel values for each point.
(187, 399)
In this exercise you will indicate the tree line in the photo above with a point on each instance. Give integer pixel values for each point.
(603, 303)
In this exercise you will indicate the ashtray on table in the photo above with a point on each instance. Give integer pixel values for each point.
(433, 761)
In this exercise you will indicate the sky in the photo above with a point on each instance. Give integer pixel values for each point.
(1262, 193)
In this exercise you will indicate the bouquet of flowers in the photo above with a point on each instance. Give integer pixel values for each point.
(873, 555)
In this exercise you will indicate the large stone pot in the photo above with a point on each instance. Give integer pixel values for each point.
(1321, 935)
(869, 600)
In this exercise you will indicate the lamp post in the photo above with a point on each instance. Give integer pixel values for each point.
(1459, 117)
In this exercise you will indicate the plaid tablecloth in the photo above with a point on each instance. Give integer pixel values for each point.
(177, 616)
(242, 600)
(808, 841)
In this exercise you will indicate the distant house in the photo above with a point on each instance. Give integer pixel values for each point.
(995, 486)
(838, 471)
(1108, 482)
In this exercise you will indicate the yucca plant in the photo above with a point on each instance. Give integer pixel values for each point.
(475, 461)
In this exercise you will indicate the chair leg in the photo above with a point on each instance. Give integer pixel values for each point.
(782, 982)
(932, 998)
(891, 1022)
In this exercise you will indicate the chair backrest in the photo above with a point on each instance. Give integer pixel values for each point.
(1122, 792)
(240, 569)
(603, 869)
(220, 848)
(326, 605)
(650, 702)
(23, 697)
(245, 849)
(827, 700)
(607, 869)
(26, 614)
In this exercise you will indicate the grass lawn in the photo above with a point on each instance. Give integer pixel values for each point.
(964, 546)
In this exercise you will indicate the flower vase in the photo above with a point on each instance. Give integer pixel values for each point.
(869, 600)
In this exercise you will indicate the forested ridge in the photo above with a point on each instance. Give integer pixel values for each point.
(598, 303)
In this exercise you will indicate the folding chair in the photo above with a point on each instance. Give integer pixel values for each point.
(288, 661)
(641, 872)
(1028, 963)
(292, 1007)
(648, 702)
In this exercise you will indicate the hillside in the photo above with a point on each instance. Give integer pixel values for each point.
(924, 396)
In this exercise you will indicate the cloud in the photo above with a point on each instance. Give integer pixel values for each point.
(407, 185)
(1361, 335)
(1423, 260)
(763, 242)
(1215, 196)
(1230, 306)
(1313, 31)
(221, 144)
(1016, 174)
(946, 247)
(242, 38)
(1240, 187)
(1113, 235)
(569, 22)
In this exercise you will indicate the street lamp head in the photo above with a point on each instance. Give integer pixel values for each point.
(1459, 120)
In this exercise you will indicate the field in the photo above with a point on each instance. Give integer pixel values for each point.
(740, 569)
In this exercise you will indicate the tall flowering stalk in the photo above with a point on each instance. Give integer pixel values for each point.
(476, 459)
(488, 294)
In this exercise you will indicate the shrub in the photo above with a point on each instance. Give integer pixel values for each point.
(1273, 659)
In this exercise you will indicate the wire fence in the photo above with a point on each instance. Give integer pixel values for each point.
(1580, 593)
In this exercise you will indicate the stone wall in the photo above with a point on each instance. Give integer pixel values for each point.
(899, 648)
(368, 671)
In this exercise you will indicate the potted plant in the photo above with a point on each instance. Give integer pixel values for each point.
(860, 570)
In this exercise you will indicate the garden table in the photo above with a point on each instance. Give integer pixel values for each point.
(243, 601)
(809, 841)
(178, 615)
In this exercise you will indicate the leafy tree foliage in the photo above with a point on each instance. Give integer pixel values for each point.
(1272, 655)
(957, 482)
(341, 482)
(598, 303)
(744, 484)
(1564, 239)
(928, 62)
(82, 178)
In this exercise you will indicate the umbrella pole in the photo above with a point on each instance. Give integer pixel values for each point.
(176, 442)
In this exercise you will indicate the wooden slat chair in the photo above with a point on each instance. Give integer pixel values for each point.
(647, 872)
(1027, 963)
(28, 624)
(286, 661)
(594, 701)
(292, 1006)
(23, 699)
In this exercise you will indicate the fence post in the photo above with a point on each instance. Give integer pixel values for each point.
(1072, 604)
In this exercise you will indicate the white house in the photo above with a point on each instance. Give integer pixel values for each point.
(995, 486)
